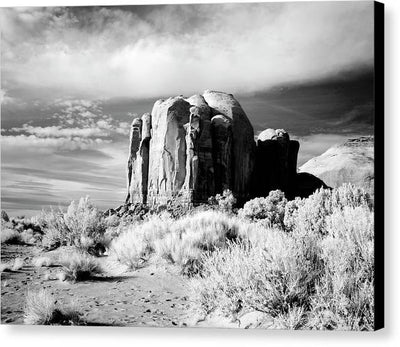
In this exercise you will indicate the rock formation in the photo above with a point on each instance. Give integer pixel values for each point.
(276, 162)
(189, 149)
(243, 145)
(350, 162)
(167, 164)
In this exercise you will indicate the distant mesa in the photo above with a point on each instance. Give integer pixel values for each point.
(188, 149)
(350, 162)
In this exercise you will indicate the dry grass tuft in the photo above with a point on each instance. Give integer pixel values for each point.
(41, 309)
(80, 267)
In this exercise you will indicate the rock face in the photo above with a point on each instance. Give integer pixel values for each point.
(242, 140)
(276, 162)
(138, 161)
(167, 166)
(350, 162)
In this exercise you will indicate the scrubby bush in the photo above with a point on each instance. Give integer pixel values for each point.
(179, 241)
(319, 275)
(80, 267)
(311, 214)
(345, 295)
(42, 309)
(225, 201)
(135, 243)
(55, 230)
(85, 223)
(272, 278)
(82, 225)
(269, 210)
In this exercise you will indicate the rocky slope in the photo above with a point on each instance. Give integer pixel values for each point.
(350, 162)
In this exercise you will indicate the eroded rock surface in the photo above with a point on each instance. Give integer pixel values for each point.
(350, 162)
(243, 146)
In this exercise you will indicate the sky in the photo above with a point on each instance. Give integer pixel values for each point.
(73, 78)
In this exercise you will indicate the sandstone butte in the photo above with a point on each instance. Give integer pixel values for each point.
(188, 149)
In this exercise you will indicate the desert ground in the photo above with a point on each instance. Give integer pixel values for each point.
(273, 264)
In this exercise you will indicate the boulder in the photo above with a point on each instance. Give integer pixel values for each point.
(350, 162)
(167, 164)
(243, 146)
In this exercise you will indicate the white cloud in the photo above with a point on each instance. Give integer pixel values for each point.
(57, 131)
(36, 144)
(180, 50)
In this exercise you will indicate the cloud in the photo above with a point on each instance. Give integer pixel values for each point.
(181, 49)
(33, 143)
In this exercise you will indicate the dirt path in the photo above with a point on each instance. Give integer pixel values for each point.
(155, 295)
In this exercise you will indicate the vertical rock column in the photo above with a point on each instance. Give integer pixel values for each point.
(203, 185)
(167, 164)
(221, 132)
(134, 145)
(145, 155)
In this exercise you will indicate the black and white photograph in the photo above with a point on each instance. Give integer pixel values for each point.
(193, 165)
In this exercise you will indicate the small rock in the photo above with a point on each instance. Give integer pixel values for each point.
(8, 320)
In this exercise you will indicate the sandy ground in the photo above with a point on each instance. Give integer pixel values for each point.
(155, 295)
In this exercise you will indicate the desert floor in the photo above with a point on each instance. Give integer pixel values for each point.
(155, 295)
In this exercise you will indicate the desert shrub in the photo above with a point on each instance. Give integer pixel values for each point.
(311, 214)
(10, 236)
(225, 201)
(349, 195)
(82, 225)
(291, 213)
(273, 277)
(344, 296)
(80, 266)
(270, 210)
(41, 309)
(194, 235)
(53, 223)
(179, 241)
(134, 244)
(85, 224)
(317, 276)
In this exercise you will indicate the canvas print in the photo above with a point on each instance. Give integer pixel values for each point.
(193, 165)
